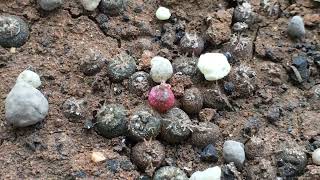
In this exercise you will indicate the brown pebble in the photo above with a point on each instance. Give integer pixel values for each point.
(207, 114)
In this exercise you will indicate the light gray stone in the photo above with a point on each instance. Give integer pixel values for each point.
(49, 5)
(90, 5)
(233, 151)
(296, 27)
(25, 105)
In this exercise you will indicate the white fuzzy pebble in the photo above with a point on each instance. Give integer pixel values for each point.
(163, 13)
(161, 69)
(29, 77)
(233, 151)
(316, 156)
(208, 174)
(25, 105)
(214, 66)
(97, 157)
(90, 5)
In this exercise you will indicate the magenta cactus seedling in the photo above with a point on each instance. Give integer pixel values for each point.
(161, 98)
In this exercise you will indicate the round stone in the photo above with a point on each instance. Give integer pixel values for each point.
(214, 66)
(90, 5)
(163, 13)
(296, 27)
(161, 69)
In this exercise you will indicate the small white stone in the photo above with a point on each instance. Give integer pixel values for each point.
(214, 66)
(90, 5)
(25, 105)
(163, 13)
(161, 69)
(29, 77)
(316, 156)
(208, 174)
(233, 151)
(97, 157)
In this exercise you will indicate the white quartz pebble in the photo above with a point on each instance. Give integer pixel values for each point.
(25, 105)
(97, 157)
(29, 77)
(214, 66)
(161, 69)
(90, 5)
(316, 156)
(208, 174)
(163, 13)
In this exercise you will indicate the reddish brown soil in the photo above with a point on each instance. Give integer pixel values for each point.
(58, 148)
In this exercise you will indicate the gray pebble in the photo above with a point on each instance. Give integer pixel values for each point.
(170, 172)
(49, 5)
(112, 7)
(25, 105)
(291, 162)
(296, 27)
(233, 151)
(90, 5)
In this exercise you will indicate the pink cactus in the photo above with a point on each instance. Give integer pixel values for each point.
(161, 98)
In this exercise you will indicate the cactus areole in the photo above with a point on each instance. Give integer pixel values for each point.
(161, 98)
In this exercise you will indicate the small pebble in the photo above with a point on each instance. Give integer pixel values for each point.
(214, 66)
(14, 31)
(163, 13)
(111, 120)
(207, 114)
(192, 101)
(25, 105)
(291, 162)
(97, 157)
(161, 69)
(49, 5)
(233, 151)
(90, 5)
(29, 77)
(296, 27)
(316, 156)
(209, 154)
(301, 64)
(121, 67)
(228, 88)
(208, 174)
(170, 172)
(112, 7)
